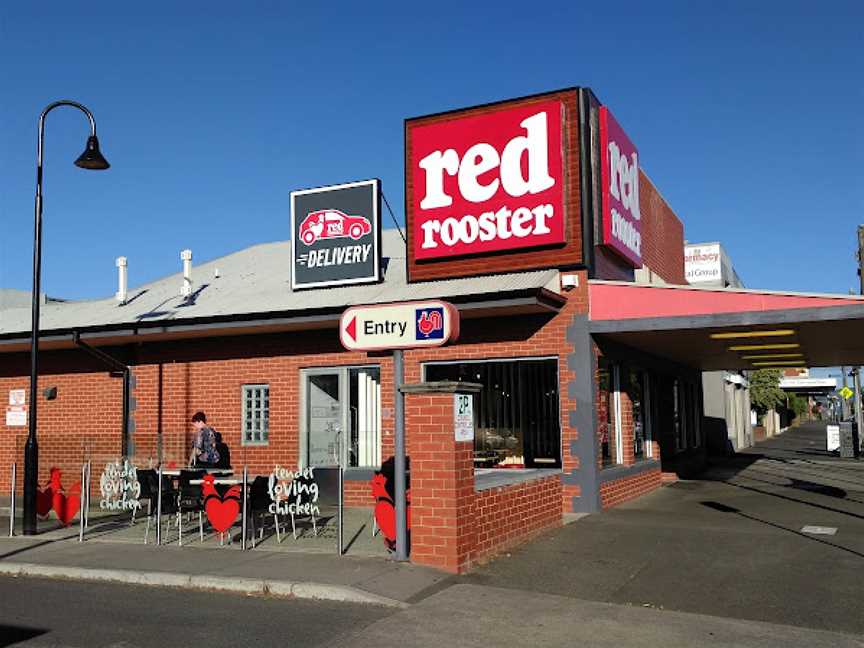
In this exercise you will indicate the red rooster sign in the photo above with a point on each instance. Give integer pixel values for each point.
(221, 510)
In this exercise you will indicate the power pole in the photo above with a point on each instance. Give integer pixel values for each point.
(859, 415)
(861, 257)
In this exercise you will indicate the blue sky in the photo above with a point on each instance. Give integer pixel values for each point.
(747, 116)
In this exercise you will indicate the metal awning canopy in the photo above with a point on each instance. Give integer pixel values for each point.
(722, 328)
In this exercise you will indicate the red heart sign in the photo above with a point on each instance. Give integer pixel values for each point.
(44, 500)
(222, 513)
(221, 510)
(66, 506)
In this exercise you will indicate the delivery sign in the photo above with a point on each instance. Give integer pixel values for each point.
(485, 183)
(620, 178)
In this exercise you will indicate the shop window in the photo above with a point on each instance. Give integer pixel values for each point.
(679, 418)
(256, 414)
(341, 422)
(609, 413)
(637, 390)
(517, 420)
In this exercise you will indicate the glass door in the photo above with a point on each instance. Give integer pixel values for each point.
(325, 417)
(341, 417)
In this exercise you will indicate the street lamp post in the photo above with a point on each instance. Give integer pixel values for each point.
(92, 159)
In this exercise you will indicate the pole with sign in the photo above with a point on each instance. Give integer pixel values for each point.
(406, 325)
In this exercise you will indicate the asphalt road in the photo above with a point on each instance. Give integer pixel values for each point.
(37, 612)
(728, 545)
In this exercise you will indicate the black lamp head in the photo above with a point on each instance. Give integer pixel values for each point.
(92, 158)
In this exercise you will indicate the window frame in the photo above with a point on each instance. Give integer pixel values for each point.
(343, 373)
(539, 463)
(245, 388)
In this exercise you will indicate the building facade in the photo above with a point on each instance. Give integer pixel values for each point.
(528, 216)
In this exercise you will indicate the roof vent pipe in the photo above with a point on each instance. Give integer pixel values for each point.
(186, 257)
(122, 281)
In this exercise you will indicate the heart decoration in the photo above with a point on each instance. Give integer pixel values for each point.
(65, 504)
(221, 510)
(44, 501)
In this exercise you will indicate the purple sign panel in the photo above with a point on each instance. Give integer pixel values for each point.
(620, 179)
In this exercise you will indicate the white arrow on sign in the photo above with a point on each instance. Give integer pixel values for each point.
(406, 325)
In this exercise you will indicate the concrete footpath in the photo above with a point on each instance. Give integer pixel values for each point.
(471, 616)
(378, 581)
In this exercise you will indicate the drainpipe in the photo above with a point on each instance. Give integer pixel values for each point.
(119, 367)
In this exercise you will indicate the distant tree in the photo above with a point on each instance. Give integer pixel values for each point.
(798, 405)
(765, 392)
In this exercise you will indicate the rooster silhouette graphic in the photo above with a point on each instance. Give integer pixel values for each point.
(53, 496)
(385, 510)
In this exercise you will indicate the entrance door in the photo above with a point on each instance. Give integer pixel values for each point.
(341, 417)
(325, 417)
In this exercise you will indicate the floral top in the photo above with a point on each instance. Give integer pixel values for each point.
(205, 442)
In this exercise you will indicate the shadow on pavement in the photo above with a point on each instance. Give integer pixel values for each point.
(723, 508)
(10, 634)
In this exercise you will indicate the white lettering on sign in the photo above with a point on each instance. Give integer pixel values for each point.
(483, 157)
(622, 214)
(488, 226)
(488, 182)
(293, 492)
(119, 487)
(336, 256)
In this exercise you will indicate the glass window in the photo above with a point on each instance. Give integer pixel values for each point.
(679, 419)
(342, 417)
(364, 445)
(608, 413)
(256, 414)
(517, 422)
(636, 392)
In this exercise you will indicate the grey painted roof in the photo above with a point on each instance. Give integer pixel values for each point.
(256, 280)
(11, 298)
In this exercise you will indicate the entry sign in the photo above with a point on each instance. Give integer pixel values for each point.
(407, 325)
(463, 417)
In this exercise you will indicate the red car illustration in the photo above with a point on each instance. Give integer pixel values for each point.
(332, 223)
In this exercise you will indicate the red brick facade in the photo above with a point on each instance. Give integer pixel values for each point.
(619, 491)
(176, 379)
(662, 234)
(452, 525)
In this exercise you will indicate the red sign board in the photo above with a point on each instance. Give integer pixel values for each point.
(620, 178)
(489, 182)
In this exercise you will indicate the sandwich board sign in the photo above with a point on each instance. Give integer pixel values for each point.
(406, 325)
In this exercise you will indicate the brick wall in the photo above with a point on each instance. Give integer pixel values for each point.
(662, 241)
(175, 379)
(567, 256)
(452, 525)
(510, 515)
(619, 491)
(662, 234)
